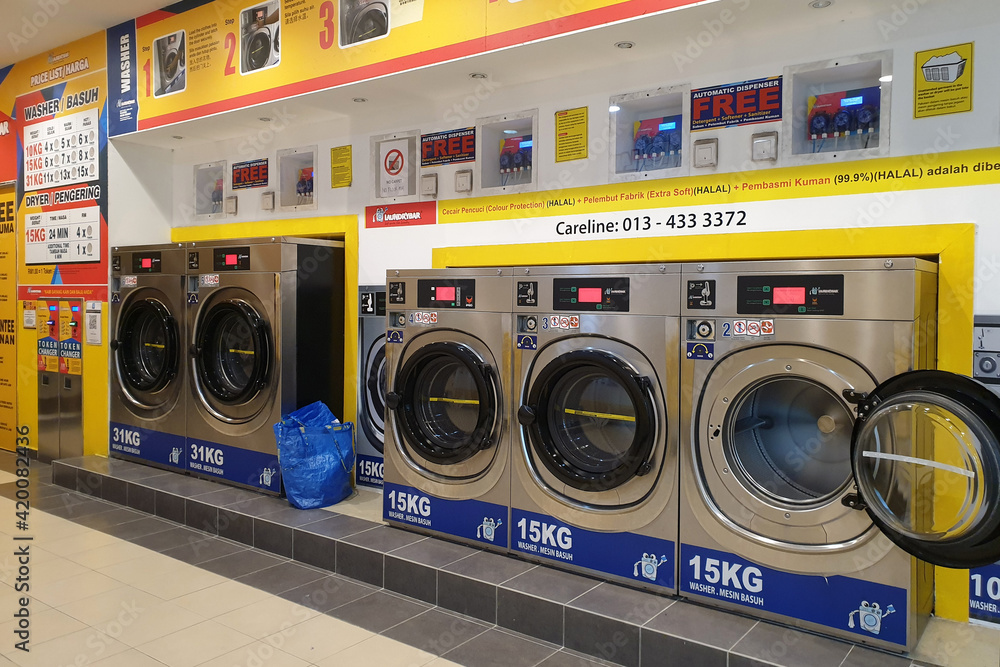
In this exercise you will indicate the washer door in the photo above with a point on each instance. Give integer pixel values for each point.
(147, 350)
(258, 49)
(447, 403)
(374, 387)
(591, 421)
(372, 21)
(926, 459)
(233, 357)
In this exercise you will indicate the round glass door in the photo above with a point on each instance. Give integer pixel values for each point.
(375, 388)
(233, 352)
(926, 458)
(591, 420)
(147, 347)
(447, 403)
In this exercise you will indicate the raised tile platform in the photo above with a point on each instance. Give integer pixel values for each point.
(586, 616)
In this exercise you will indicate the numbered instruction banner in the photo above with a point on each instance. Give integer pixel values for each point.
(196, 59)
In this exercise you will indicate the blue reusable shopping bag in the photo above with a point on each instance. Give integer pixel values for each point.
(316, 454)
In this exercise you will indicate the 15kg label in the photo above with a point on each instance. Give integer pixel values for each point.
(471, 520)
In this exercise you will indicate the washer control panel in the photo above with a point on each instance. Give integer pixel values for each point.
(986, 351)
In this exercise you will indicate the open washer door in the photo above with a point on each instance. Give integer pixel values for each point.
(447, 403)
(926, 460)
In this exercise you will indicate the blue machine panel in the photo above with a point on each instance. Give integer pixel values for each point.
(369, 470)
(627, 555)
(865, 608)
(241, 466)
(468, 519)
(984, 593)
(157, 447)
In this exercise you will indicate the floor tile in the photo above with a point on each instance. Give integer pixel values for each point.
(195, 644)
(259, 653)
(378, 651)
(46, 569)
(436, 632)
(178, 581)
(112, 554)
(170, 539)
(702, 625)
(77, 543)
(129, 658)
(140, 527)
(618, 602)
(496, 648)
(364, 504)
(205, 550)
(786, 646)
(118, 603)
(489, 567)
(113, 517)
(45, 625)
(379, 611)
(550, 584)
(146, 624)
(280, 578)
(220, 599)
(140, 570)
(564, 658)
(74, 588)
(338, 526)
(77, 648)
(267, 617)
(240, 563)
(318, 638)
(328, 593)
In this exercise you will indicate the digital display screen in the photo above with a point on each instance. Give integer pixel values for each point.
(527, 144)
(668, 126)
(589, 295)
(851, 101)
(147, 263)
(789, 296)
(53, 308)
(444, 294)
(75, 309)
(231, 260)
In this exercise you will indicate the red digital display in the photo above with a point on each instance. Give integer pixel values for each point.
(589, 295)
(230, 260)
(789, 296)
(444, 294)
(147, 263)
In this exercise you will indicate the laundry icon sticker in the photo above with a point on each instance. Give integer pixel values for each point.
(869, 616)
(487, 530)
(527, 342)
(647, 566)
(393, 336)
(701, 350)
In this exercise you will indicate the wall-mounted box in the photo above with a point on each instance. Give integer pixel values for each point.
(296, 176)
(209, 190)
(505, 145)
(394, 162)
(838, 108)
(649, 133)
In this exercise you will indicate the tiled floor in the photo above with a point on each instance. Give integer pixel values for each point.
(116, 588)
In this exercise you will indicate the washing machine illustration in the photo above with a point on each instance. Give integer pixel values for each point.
(170, 63)
(447, 435)
(825, 464)
(594, 464)
(362, 20)
(260, 26)
(372, 382)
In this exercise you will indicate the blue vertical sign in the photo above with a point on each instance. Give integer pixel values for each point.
(984, 593)
(123, 92)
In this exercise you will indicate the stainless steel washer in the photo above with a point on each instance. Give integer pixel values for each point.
(372, 383)
(447, 445)
(594, 467)
(814, 462)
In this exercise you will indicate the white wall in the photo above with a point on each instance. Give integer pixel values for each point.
(701, 47)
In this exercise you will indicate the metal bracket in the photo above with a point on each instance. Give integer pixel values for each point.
(854, 501)
(855, 397)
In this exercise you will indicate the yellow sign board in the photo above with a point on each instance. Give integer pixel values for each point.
(571, 134)
(341, 167)
(942, 81)
(8, 321)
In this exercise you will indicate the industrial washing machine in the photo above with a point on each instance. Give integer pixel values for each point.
(594, 463)
(261, 44)
(371, 385)
(171, 57)
(266, 335)
(820, 473)
(148, 355)
(447, 439)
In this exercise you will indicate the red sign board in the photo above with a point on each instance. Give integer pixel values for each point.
(401, 215)
(252, 174)
(448, 147)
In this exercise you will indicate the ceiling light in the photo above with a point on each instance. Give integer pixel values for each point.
(614, 107)
(264, 119)
(624, 45)
(177, 136)
(885, 79)
(477, 75)
(820, 4)
(360, 100)
(510, 131)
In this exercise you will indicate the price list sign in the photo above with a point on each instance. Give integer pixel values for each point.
(69, 235)
(62, 151)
